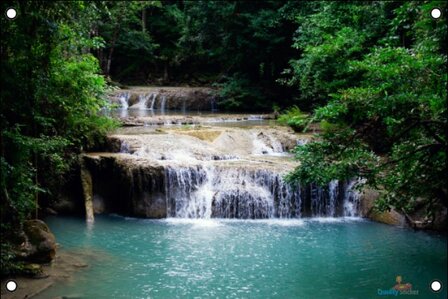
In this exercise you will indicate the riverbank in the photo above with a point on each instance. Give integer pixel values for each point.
(65, 264)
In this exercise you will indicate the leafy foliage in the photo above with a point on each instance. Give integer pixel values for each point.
(294, 118)
(389, 126)
(239, 46)
(333, 34)
(50, 102)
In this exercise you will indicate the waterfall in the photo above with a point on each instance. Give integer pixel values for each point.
(266, 145)
(216, 190)
(162, 104)
(154, 96)
(333, 196)
(124, 147)
(142, 102)
(123, 98)
(240, 174)
(206, 192)
(180, 183)
(255, 117)
(86, 183)
(351, 198)
(184, 107)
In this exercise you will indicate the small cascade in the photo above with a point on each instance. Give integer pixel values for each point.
(333, 192)
(142, 102)
(289, 200)
(255, 117)
(266, 145)
(154, 96)
(209, 190)
(210, 173)
(124, 148)
(180, 184)
(163, 104)
(176, 98)
(124, 98)
(86, 183)
(184, 107)
(196, 192)
(351, 198)
(318, 206)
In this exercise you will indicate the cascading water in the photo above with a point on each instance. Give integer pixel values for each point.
(333, 195)
(124, 148)
(123, 98)
(229, 173)
(184, 107)
(206, 192)
(142, 102)
(266, 144)
(352, 196)
(163, 104)
(154, 96)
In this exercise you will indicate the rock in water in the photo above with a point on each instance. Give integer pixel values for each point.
(40, 244)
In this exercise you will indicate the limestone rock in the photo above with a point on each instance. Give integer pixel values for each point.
(391, 217)
(40, 244)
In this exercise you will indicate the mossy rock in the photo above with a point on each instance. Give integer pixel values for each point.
(41, 242)
(32, 269)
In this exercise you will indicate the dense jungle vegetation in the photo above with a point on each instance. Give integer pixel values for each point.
(372, 74)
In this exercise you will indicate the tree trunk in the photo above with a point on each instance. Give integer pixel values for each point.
(111, 51)
(144, 20)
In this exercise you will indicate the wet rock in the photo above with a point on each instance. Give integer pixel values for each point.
(418, 219)
(391, 217)
(32, 269)
(40, 244)
(86, 181)
(127, 186)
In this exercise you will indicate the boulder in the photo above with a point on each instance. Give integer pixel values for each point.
(418, 219)
(391, 217)
(40, 243)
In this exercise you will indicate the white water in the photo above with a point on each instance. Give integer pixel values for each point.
(351, 202)
(212, 192)
(163, 104)
(142, 102)
(154, 96)
(333, 192)
(124, 147)
(238, 175)
(123, 98)
(266, 145)
(227, 173)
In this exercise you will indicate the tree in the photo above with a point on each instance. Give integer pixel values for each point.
(122, 25)
(50, 102)
(329, 35)
(388, 127)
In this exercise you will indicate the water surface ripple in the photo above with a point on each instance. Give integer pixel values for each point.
(302, 258)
